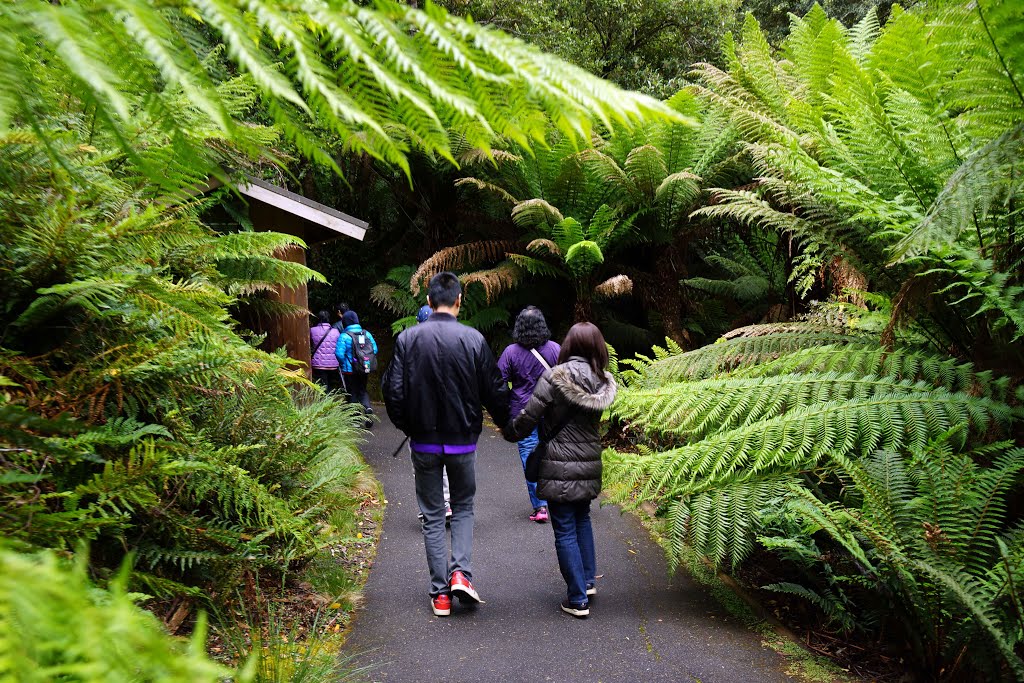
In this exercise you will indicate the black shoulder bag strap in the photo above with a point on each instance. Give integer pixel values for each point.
(321, 342)
(355, 345)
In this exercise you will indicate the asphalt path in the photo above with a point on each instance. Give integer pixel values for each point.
(644, 625)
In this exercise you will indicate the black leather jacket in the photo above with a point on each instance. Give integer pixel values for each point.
(441, 373)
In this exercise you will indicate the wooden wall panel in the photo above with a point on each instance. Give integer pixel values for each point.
(289, 331)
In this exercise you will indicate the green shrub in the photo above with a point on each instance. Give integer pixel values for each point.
(55, 625)
(136, 415)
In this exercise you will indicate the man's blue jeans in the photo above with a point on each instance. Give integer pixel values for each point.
(429, 469)
(574, 545)
(526, 447)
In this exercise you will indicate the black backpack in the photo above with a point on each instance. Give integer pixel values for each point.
(364, 360)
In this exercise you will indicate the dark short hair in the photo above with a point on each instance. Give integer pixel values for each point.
(531, 330)
(342, 307)
(444, 289)
(586, 341)
(324, 317)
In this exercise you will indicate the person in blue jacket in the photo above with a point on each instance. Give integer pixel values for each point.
(353, 375)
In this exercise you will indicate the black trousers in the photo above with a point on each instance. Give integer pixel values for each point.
(355, 386)
(330, 380)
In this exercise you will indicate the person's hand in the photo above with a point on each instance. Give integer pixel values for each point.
(507, 433)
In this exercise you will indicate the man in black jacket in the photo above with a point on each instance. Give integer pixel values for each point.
(441, 373)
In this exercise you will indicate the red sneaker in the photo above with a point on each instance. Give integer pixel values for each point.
(441, 604)
(463, 589)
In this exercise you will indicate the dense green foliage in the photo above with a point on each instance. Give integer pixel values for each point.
(870, 448)
(856, 464)
(380, 81)
(56, 626)
(892, 153)
(187, 445)
(872, 452)
(613, 222)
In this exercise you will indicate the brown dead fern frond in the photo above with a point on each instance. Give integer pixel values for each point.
(497, 280)
(619, 285)
(459, 256)
(542, 245)
(484, 186)
(764, 330)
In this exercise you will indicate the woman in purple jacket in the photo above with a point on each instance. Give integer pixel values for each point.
(522, 364)
(323, 338)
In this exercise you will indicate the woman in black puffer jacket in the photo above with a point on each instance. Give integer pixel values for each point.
(568, 402)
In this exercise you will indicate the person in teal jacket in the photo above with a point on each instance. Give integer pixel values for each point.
(355, 382)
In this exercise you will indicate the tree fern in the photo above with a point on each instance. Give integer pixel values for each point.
(894, 144)
(379, 78)
(847, 460)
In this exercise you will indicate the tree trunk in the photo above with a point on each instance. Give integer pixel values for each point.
(666, 297)
(583, 310)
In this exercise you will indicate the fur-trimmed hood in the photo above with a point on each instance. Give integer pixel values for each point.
(576, 381)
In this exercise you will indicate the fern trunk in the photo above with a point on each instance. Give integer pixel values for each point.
(667, 297)
(583, 310)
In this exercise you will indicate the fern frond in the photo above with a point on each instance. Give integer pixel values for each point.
(827, 603)
(730, 354)
(485, 186)
(459, 256)
(615, 286)
(720, 524)
(646, 168)
(974, 599)
(534, 213)
(497, 280)
(801, 438)
(873, 360)
(546, 245)
(989, 176)
(55, 620)
(535, 266)
(698, 409)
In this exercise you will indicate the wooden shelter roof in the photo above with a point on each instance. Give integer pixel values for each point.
(303, 207)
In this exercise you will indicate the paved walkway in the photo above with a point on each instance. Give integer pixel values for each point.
(644, 626)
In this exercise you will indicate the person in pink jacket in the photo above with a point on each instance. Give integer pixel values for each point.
(323, 339)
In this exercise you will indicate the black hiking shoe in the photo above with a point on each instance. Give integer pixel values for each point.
(580, 610)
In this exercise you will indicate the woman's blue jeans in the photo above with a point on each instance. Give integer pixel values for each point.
(574, 545)
(526, 447)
